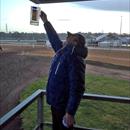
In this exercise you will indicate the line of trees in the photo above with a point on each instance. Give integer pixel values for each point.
(39, 36)
(26, 36)
(22, 36)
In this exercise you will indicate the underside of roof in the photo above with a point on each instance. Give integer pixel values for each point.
(55, 1)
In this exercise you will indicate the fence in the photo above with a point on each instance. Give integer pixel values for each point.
(39, 95)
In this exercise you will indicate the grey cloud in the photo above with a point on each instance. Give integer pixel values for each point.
(113, 5)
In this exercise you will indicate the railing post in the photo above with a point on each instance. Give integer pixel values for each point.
(40, 116)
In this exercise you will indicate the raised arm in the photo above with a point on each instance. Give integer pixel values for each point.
(54, 39)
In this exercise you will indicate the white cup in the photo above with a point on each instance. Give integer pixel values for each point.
(35, 15)
(64, 122)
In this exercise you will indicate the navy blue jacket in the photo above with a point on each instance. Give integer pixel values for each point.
(66, 82)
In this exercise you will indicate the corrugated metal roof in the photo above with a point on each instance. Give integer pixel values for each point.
(109, 36)
(101, 36)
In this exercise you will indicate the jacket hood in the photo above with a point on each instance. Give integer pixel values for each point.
(81, 51)
(77, 50)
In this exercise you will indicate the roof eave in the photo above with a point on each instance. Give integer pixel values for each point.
(55, 1)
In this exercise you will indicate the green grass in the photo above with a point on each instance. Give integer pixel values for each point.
(92, 114)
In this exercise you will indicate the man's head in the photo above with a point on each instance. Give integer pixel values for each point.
(76, 39)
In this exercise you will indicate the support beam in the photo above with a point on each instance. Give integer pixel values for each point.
(55, 1)
(40, 116)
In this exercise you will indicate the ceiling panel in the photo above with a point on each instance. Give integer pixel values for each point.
(55, 1)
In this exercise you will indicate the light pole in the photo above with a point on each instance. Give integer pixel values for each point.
(6, 26)
(121, 26)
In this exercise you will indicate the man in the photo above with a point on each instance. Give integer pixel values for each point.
(66, 80)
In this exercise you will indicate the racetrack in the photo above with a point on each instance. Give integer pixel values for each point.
(22, 65)
(110, 55)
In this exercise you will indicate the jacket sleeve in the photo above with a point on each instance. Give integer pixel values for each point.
(56, 43)
(76, 84)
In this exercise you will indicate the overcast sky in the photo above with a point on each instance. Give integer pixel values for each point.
(112, 5)
(94, 16)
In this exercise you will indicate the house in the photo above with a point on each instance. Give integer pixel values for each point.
(90, 40)
(109, 40)
(125, 41)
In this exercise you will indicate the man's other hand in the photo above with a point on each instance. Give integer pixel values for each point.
(43, 17)
(69, 120)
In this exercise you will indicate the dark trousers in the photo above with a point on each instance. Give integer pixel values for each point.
(57, 117)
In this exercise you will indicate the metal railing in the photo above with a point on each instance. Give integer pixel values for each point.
(39, 95)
